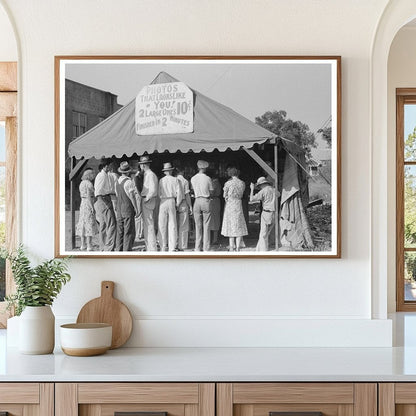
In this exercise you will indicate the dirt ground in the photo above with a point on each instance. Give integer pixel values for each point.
(320, 222)
(319, 219)
(250, 240)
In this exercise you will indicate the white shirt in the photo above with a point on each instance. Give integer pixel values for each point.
(170, 187)
(102, 184)
(113, 180)
(202, 185)
(267, 196)
(150, 183)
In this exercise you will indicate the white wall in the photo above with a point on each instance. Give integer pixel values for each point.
(401, 74)
(8, 47)
(197, 302)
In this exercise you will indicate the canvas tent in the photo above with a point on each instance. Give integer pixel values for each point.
(216, 127)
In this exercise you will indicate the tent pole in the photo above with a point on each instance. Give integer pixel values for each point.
(72, 203)
(276, 212)
(76, 169)
(261, 162)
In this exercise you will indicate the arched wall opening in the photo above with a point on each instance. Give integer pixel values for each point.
(383, 161)
(401, 74)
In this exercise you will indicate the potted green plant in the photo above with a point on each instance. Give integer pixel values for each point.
(36, 289)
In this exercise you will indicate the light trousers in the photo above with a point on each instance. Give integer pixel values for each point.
(183, 225)
(167, 224)
(148, 212)
(202, 218)
(266, 227)
(107, 223)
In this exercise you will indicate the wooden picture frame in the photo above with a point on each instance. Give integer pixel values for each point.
(249, 120)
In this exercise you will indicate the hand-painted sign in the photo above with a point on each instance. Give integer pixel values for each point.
(164, 109)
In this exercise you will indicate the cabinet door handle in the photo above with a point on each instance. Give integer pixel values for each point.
(138, 414)
(295, 413)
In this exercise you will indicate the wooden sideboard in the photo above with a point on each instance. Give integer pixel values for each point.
(208, 399)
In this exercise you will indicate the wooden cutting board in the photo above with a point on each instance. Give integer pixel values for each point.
(107, 309)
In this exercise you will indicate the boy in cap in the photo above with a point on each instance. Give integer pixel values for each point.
(171, 195)
(267, 196)
(203, 189)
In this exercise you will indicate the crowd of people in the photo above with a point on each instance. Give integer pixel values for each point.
(122, 206)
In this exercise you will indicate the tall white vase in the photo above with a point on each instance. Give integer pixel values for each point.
(37, 330)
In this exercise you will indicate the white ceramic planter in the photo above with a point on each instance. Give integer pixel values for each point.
(37, 330)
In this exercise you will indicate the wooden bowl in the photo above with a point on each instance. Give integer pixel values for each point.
(84, 340)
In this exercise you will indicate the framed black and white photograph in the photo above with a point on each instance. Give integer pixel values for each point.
(198, 156)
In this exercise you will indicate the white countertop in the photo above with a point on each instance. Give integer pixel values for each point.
(222, 364)
(215, 364)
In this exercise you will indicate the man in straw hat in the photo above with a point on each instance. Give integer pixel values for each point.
(127, 209)
(171, 195)
(203, 189)
(104, 210)
(267, 196)
(149, 196)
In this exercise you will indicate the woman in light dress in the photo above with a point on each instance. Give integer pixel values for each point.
(87, 225)
(233, 224)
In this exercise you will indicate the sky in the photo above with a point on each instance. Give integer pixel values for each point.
(303, 90)
(409, 119)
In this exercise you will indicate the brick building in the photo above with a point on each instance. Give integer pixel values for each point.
(85, 107)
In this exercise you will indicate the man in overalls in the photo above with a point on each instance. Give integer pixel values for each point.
(127, 209)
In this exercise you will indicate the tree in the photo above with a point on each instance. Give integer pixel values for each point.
(278, 123)
(410, 190)
(410, 146)
(409, 207)
(326, 134)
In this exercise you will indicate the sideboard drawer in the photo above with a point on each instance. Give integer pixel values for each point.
(21, 399)
(147, 399)
(397, 399)
(309, 399)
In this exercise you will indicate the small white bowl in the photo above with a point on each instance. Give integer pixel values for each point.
(83, 340)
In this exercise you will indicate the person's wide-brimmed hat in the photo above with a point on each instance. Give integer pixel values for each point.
(202, 164)
(124, 167)
(167, 166)
(262, 180)
(144, 159)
